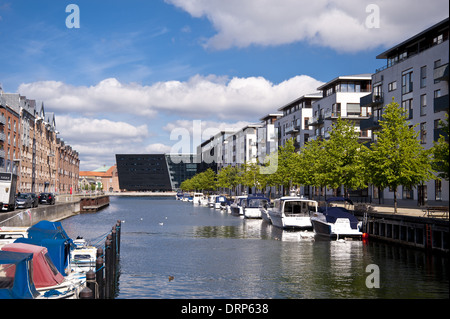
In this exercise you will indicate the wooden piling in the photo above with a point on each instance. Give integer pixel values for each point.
(108, 270)
(91, 283)
(99, 278)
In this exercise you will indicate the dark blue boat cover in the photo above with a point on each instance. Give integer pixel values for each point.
(15, 276)
(52, 236)
(333, 213)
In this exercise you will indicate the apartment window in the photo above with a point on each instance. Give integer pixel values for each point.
(407, 193)
(377, 90)
(407, 106)
(438, 189)
(423, 104)
(438, 40)
(437, 64)
(407, 82)
(423, 76)
(353, 109)
(423, 133)
(392, 86)
(437, 93)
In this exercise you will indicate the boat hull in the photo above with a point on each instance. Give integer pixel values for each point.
(265, 215)
(252, 212)
(287, 222)
(339, 229)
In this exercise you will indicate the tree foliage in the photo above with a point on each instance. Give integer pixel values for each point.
(441, 151)
(397, 158)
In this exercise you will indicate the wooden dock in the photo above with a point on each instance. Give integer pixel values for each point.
(93, 203)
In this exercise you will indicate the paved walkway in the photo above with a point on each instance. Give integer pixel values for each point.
(409, 211)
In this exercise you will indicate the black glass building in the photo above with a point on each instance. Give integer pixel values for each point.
(157, 172)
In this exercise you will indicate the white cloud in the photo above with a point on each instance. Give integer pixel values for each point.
(337, 24)
(199, 97)
(97, 140)
(157, 148)
(100, 130)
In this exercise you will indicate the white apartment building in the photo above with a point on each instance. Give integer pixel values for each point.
(213, 149)
(267, 136)
(416, 76)
(341, 97)
(295, 122)
(242, 147)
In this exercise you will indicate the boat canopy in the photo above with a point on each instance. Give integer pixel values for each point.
(44, 271)
(333, 213)
(47, 230)
(256, 201)
(15, 279)
(221, 199)
(52, 236)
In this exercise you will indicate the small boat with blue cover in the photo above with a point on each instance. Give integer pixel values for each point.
(48, 281)
(336, 221)
(15, 276)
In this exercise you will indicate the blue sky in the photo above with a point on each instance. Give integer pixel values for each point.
(136, 71)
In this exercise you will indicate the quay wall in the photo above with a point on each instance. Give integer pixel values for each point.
(66, 206)
(31, 216)
(419, 232)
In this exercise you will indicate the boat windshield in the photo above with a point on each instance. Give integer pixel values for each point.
(298, 208)
(256, 202)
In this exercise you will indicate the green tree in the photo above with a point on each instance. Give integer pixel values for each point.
(397, 157)
(441, 151)
(342, 161)
(287, 164)
(228, 177)
(207, 180)
(310, 166)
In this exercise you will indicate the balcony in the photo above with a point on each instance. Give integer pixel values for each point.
(441, 103)
(2, 119)
(291, 129)
(441, 73)
(317, 120)
(2, 154)
(371, 99)
(2, 136)
(369, 124)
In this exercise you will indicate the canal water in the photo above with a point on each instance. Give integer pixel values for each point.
(208, 253)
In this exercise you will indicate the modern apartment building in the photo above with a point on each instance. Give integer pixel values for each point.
(212, 151)
(241, 146)
(295, 122)
(416, 75)
(267, 136)
(341, 98)
(30, 148)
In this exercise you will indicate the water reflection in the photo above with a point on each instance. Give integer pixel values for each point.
(212, 254)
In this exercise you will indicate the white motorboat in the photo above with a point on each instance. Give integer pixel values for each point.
(236, 206)
(83, 257)
(198, 199)
(336, 222)
(212, 201)
(8, 234)
(291, 212)
(221, 202)
(252, 205)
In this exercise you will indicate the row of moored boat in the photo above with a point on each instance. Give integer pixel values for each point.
(289, 212)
